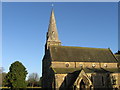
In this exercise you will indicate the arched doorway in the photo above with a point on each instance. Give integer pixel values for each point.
(83, 82)
(82, 85)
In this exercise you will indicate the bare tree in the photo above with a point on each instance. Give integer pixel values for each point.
(2, 76)
(33, 79)
(1, 69)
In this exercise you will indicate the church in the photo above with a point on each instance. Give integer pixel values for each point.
(77, 68)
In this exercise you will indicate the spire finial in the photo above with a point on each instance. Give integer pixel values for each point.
(52, 5)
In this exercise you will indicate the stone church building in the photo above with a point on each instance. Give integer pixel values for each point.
(77, 68)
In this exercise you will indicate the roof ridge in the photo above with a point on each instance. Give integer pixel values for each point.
(80, 47)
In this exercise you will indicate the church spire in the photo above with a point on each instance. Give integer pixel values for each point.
(52, 30)
(52, 34)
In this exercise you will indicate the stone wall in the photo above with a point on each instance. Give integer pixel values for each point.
(115, 78)
(83, 65)
(59, 79)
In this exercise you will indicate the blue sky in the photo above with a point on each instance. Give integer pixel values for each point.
(80, 24)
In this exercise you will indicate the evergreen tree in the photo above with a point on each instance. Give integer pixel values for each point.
(16, 76)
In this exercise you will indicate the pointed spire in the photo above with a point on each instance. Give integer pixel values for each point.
(52, 34)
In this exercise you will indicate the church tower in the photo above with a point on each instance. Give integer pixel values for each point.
(51, 40)
(52, 34)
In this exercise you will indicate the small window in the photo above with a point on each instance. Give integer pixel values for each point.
(105, 65)
(93, 65)
(67, 65)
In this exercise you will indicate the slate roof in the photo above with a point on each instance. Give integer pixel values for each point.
(81, 54)
(87, 70)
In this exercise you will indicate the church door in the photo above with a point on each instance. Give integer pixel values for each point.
(82, 85)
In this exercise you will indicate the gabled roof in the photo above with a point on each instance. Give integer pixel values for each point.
(84, 76)
(81, 54)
